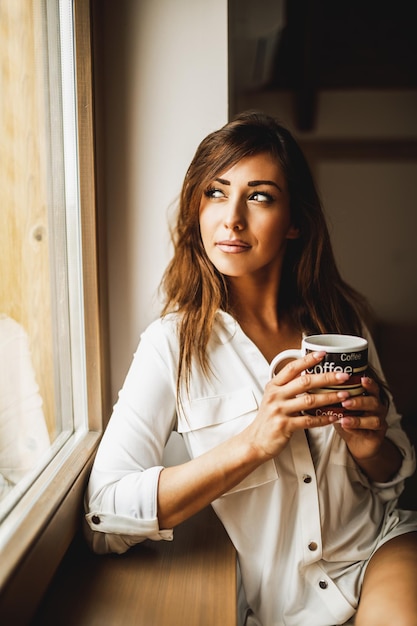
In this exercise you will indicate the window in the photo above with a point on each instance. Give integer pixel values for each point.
(51, 347)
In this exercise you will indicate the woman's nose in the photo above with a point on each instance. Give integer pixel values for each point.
(235, 215)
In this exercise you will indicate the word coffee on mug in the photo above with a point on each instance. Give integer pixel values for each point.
(344, 353)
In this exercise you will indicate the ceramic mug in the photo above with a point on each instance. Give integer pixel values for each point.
(344, 353)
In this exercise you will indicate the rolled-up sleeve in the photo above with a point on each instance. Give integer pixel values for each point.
(121, 498)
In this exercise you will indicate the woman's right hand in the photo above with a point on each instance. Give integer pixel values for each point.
(285, 398)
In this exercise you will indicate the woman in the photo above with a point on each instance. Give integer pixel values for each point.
(309, 504)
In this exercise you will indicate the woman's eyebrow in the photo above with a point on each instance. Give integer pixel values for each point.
(255, 183)
(251, 183)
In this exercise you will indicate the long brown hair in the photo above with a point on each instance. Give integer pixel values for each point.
(312, 290)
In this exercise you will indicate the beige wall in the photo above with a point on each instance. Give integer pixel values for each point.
(369, 192)
(163, 85)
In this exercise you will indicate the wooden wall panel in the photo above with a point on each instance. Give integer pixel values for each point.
(25, 292)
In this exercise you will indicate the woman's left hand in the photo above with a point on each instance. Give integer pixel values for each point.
(364, 434)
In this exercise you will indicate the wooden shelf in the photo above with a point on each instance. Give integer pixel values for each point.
(189, 581)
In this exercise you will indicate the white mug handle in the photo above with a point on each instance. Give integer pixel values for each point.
(286, 354)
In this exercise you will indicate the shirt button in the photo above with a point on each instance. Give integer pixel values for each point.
(307, 478)
(95, 519)
(323, 584)
(312, 546)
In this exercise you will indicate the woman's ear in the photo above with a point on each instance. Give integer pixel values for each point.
(293, 232)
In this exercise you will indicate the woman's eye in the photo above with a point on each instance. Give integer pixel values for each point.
(213, 192)
(261, 196)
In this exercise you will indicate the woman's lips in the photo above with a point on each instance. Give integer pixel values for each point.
(233, 246)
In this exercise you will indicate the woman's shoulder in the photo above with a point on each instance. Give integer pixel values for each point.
(160, 340)
(162, 327)
(162, 334)
(166, 328)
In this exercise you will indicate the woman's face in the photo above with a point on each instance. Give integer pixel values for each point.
(245, 218)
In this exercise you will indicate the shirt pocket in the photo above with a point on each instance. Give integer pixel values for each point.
(208, 421)
(198, 413)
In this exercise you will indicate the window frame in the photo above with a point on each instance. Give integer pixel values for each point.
(47, 517)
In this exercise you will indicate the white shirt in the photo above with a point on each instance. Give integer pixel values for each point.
(303, 524)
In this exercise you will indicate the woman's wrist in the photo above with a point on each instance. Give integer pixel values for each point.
(382, 466)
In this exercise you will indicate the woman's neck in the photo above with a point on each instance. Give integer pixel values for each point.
(256, 310)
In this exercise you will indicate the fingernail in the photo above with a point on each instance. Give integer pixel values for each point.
(319, 355)
(346, 421)
(342, 376)
(347, 403)
(366, 380)
(343, 395)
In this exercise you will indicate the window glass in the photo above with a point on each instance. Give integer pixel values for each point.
(41, 307)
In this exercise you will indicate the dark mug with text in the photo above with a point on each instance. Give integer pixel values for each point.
(344, 353)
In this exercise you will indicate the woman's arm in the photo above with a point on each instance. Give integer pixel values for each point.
(184, 490)
(384, 465)
(375, 440)
(130, 496)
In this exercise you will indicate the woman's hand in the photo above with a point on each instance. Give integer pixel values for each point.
(285, 398)
(364, 434)
(365, 437)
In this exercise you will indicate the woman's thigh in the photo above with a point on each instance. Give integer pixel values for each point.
(389, 591)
